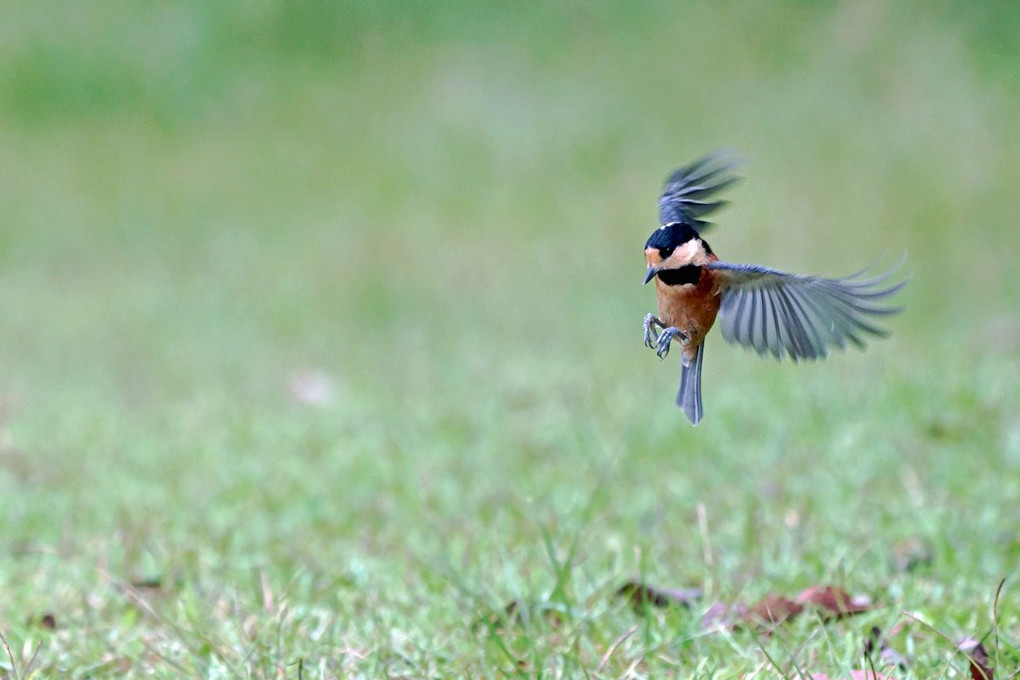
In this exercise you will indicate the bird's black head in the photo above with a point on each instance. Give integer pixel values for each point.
(674, 246)
(668, 238)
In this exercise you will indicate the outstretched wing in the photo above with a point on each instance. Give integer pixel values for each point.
(684, 198)
(802, 316)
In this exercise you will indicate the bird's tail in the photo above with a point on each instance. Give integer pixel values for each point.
(689, 396)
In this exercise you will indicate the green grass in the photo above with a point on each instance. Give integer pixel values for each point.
(438, 212)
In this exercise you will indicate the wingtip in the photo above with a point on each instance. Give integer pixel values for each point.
(725, 159)
(728, 155)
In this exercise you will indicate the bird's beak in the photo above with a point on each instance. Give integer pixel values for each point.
(650, 274)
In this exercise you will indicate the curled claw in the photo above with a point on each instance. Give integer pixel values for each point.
(651, 335)
(666, 338)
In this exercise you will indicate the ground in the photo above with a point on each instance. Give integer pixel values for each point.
(321, 351)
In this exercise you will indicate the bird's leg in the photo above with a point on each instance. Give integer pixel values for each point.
(651, 335)
(667, 336)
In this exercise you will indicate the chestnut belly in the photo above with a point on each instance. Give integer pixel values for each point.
(691, 307)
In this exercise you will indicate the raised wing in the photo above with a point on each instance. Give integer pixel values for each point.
(802, 316)
(684, 198)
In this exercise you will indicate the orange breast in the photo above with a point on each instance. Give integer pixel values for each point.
(690, 308)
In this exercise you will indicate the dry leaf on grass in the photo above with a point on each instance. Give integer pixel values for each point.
(834, 600)
(980, 668)
(641, 595)
(774, 609)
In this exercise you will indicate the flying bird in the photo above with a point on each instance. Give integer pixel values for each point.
(758, 307)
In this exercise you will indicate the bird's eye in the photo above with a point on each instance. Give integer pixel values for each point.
(666, 252)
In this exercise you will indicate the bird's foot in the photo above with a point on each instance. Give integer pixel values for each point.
(652, 335)
(666, 338)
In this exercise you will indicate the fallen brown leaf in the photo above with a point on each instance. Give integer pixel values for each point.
(834, 600)
(978, 657)
(641, 595)
(774, 609)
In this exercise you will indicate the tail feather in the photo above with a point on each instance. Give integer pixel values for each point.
(689, 396)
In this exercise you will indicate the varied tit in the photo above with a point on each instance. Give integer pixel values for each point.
(758, 307)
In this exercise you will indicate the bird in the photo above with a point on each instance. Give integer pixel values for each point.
(756, 306)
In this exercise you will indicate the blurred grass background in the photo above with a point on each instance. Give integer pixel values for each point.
(431, 216)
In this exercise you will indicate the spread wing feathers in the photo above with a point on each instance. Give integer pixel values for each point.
(684, 198)
(802, 316)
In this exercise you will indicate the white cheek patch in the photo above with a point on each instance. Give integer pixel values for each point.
(688, 253)
(691, 250)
